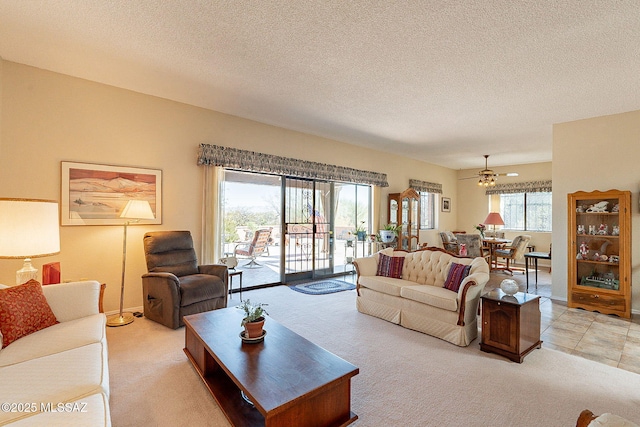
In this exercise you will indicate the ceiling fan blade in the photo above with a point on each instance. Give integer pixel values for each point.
(469, 177)
(507, 174)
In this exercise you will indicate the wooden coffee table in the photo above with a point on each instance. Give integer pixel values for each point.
(289, 380)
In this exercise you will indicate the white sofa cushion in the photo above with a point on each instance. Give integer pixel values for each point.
(73, 300)
(61, 377)
(386, 285)
(432, 295)
(55, 339)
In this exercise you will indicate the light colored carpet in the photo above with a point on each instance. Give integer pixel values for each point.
(406, 378)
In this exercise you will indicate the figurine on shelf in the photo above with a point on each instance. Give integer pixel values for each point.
(603, 230)
(584, 250)
(580, 229)
(616, 230)
(580, 209)
(616, 208)
(599, 207)
(614, 258)
(592, 230)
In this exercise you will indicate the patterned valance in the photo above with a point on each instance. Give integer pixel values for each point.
(521, 187)
(427, 187)
(251, 161)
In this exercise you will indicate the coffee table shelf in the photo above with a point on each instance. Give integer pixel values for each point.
(290, 380)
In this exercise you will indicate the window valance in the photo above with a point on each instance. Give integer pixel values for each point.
(521, 187)
(428, 187)
(251, 161)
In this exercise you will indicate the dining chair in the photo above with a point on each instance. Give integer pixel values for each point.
(512, 253)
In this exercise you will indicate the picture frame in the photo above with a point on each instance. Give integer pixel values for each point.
(446, 204)
(96, 194)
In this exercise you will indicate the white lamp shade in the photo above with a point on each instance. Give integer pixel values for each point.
(29, 228)
(137, 209)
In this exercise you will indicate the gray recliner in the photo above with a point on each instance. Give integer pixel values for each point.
(175, 285)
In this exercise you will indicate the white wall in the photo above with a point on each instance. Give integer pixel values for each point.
(600, 153)
(49, 117)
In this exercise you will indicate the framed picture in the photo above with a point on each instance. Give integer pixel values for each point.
(446, 204)
(96, 194)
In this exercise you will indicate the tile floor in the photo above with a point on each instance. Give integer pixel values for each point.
(603, 338)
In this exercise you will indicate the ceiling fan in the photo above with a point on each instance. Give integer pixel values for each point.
(487, 177)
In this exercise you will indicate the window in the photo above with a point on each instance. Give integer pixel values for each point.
(526, 211)
(427, 210)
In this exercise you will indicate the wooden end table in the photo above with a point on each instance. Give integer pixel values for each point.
(510, 324)
(289, 380)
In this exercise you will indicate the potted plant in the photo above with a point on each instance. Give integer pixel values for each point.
(389, 232)
(253, 320)
(361, 232)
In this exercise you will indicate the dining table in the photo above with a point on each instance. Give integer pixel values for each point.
(494, 243)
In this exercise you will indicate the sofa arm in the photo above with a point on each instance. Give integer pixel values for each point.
(470, 290)
(73, 300)
(366, 266)
(161, 298)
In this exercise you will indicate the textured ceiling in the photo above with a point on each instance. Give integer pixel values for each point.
(443, 81)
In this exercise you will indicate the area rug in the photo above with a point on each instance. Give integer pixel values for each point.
(323, 287)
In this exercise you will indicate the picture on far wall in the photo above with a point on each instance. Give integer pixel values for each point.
(96, 194)
(446, 204)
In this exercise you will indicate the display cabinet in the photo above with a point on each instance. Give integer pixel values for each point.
(600, 251)
(404, 210)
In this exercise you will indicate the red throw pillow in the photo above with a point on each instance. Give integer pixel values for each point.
(390, 266)
(23, 311)
(457, 274)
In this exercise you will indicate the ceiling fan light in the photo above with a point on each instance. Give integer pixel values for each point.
(480, 183)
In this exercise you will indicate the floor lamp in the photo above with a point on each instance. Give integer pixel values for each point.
(134, 211)
(28, 229)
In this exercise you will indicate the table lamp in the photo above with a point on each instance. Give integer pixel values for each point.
(134, 211)
(28, 229)
(494, 219)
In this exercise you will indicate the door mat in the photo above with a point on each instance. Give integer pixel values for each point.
(323, 287)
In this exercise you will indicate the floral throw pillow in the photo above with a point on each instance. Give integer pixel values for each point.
(23, 311)
(390, 266)
(457, 274)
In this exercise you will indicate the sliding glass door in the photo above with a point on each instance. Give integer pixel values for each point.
(308, 221)
(312, 226)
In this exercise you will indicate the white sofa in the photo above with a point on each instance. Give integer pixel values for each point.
(418, 300)
(63, 364)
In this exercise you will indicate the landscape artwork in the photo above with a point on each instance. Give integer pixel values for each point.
(96, 194)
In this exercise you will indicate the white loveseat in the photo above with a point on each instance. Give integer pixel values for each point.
(418, 299)
(59, 375)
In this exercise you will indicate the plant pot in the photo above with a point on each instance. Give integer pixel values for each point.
(387, 236)
(362, 235)
(254, 329)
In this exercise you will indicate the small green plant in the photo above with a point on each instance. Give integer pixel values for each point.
(392, 227)
(252, 312)
(360, 228)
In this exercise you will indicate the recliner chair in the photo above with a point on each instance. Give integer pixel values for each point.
(175, 284)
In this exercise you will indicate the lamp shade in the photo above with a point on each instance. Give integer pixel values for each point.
(493, 218)
(29, 228)
(137, 209)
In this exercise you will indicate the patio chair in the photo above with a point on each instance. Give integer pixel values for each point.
(255, 248)
(513, 252)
